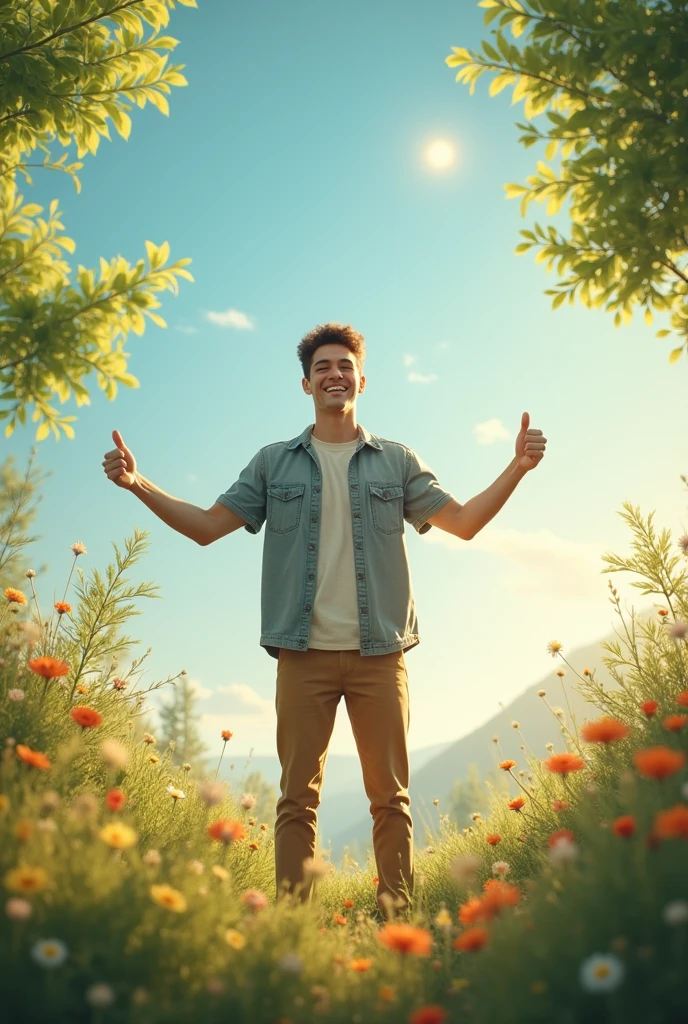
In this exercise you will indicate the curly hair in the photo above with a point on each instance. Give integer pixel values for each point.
(330, 334)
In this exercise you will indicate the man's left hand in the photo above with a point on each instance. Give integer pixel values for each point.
(530, 445)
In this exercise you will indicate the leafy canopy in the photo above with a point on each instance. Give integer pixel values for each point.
(611, 77)
(68, 70)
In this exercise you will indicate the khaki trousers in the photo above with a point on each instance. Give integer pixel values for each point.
(375, 688)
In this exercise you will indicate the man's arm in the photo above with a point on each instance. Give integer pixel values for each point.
(201, 525)
(465, 521)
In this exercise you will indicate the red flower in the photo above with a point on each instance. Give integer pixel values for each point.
(672, 824)
(604, 730)
(562, 764)
(559, 805)
(226, 735)
(682, 699)
(650, 707)
(624, 826)
(61, 607)
(517, 803)
(562, 833)
(471, 940)
(430, 1014)
(347, 903)
(658, 762)
(32, 757)
(493, 839)
(674, 723)
(406, 938)
(87, 718)
(115, 799)
(226, 831)
(48, 668)
(339, 919)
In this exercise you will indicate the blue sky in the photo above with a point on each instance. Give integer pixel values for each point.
(291, 171)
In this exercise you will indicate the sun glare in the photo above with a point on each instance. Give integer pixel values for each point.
(440, 154)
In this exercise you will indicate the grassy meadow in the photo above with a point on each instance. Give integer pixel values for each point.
(137, 891)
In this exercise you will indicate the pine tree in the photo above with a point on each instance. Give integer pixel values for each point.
(179, 725)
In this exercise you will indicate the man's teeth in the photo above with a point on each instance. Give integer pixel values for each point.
(329, 390)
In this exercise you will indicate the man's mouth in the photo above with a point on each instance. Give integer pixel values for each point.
(336, 390)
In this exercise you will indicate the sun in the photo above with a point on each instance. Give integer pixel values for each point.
(440, 154)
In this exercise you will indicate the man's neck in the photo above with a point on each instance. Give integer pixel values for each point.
(336, 431)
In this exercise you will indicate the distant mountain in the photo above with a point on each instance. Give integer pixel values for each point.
(436, 778)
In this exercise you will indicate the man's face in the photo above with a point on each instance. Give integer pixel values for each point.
(335, 379)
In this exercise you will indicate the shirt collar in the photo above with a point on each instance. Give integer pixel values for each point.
(364, 434)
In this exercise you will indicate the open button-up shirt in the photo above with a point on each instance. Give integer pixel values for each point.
(388, 484)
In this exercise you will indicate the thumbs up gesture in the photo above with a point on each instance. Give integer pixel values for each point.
(119, 465)
(530, 445)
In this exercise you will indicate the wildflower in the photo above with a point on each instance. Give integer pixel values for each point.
(682, 699)
(553, 647)
(542, 693)
(32, 757)
(604, 730)
(443, 918)
(148, 738)
(235, 939)
(119, 684)
(291, 963)
(662, 612)
(87, 718)
(115, 799)
(23, 830)
(549, 746)
(429, 849)
(314, 868)
(49, 953)
(171, 899)
(226, 735)
(15, 695)
(253, 846)
(18, 909)
(497, 895)
(433, 1013)
(500, 867)
(658, 762)
(601, 973)
(30, 573)
(226, 831)
(405, 938)
(559, 805)
(211, 793)
(248, 801)
(563, 833)
(153, 758)
(516, 804)
(683, 543)
(649, 707)
(360, 964)
(562, 764)
(561, 672)
(176, 794)
(507, 765)
(347, 904)
(25, 879)
(62, 606)
(81, 688)
(624, 826)
(196, 867)
(114, 753)
(436, 802)
(48, 668)
(375, 880)
(186, 767)
(99, 996)
(4, 802)
(672, 824)
(15, 596)
(254, 899)
(675, 912)
(471, 940)
(152, 858)
(563, 851)
(674, 723)
(118, 835)
(78, 548)
(464, 868)
(387, 993)
(493, 839)
(220, 872)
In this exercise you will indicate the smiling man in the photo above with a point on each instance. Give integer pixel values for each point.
(337, 608)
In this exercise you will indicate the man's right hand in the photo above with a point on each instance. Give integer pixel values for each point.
(119, 465)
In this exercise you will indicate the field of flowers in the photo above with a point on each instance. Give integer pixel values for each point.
(136, 891)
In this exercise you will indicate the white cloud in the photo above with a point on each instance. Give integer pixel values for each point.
(421, 378)
(491, 431)
(408, 360)
(199, 691)
(186, 330)
(544, 563)
(246, 700)
(231, 318)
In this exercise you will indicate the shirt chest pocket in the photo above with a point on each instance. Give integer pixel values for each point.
(284, 507)
(387, 507)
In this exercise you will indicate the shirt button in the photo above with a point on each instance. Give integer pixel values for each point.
(357, 515)
(361, 575)
(317, 490)
(307, 607)
(311, 547)
(364, 611)
(310, 575)
(314, 519)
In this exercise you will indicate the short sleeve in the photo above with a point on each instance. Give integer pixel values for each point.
(248, 495)
(423, 495)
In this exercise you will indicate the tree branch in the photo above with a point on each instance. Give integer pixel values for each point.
(100, 16)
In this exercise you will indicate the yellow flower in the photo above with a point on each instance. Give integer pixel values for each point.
(235, 939)
(118, 835)
(15, 596)
(82, 688)
(166, 896)
(153, 759)
(4, 802)
(443, 919)
(26, 879)
(220, 872)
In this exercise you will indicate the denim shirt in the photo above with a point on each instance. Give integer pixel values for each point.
(388, 483)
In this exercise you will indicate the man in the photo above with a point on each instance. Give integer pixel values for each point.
(337, 610)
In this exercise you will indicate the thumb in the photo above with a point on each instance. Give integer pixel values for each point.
(525, 421)
(119, 443)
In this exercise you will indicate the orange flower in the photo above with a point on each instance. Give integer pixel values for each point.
(471, 940)
(663, 611)
(115, 799)
(406, 938)
(361, 964)
(562, 833)
(15, 596)
(559, 805)
(672, 824)
(674, 723)
(339, 919)
(226, 735)
(48, 668)
(87, 718)
(493, 839)
(433, 1013)
(624, 826)
(497, 895)
(682, 699)
(650, 707)
(347, 903)
(472, 911)
(61, 607)
(32, 757)
(562, 764)
(658, 762)
(517, 803)
(376, 880)
(507, 765)
(226, 831)
(604, 730)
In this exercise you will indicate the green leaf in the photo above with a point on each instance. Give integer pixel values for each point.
(43, 431)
